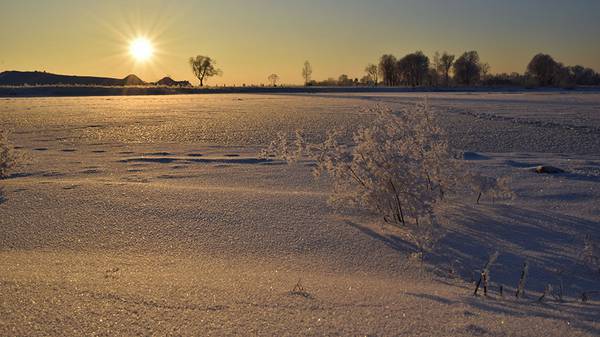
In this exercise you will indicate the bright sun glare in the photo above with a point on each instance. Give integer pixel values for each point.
(141, 49)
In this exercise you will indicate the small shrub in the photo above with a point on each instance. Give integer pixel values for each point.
(484, 280)
(8, 156)
(495, 188)
(398, 167)
(522, 281)
(590, 253)
(284, 149)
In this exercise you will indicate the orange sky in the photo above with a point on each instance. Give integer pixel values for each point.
(252, 39)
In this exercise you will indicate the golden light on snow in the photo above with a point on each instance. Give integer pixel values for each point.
(141, 49)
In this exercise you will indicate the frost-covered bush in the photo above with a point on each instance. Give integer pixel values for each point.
(283, 148)
(590, 253)
(8, 157)
(492, 187)
(398, 167)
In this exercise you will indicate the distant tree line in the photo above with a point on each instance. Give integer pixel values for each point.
(545, 71)
(446, 70)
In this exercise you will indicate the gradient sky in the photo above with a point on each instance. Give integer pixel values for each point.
(251, 39)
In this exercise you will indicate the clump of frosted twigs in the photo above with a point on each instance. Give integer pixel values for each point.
(495, 188)
(398, 167)
(522, 280)
(299, 290)
(549, 291)
(590, 254)
(484, 278)
(8, 156)
(284, 149)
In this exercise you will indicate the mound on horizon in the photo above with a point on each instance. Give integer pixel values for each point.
(22, 78)
(169, 82)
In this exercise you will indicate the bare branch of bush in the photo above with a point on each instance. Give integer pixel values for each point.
(485, 274)
(590, 253)
(548, 290)
(559, 293)
(585, 296)
(492, 187)
(284, 148)
(522, 280)
(299, 290)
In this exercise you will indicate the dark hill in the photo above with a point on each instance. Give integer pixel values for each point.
(169, 82)
(19, 78)
(132, 80)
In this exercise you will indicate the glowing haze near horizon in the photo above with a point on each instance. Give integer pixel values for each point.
(252, 39)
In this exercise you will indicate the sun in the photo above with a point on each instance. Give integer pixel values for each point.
(141, 49)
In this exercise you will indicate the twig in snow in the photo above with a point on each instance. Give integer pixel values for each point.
(585, 296)
(298, 290)
(547, 291)
(522, 280)
(485, 274)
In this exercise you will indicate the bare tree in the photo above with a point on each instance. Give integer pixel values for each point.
(204, 67)
(345, 81)
(436, 63)
(444, 65)
(485, 70)
(307, 72)
(585, 76)
(412, 68)
(543, 68)
(467, 68)
(372, 73)
(365, 80)
(433, 73)
(387, 67)
(273, 78)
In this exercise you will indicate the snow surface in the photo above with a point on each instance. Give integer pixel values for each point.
(154, 215)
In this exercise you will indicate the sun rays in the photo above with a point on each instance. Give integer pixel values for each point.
(141, 49)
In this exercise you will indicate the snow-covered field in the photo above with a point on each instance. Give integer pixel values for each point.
(154, 215)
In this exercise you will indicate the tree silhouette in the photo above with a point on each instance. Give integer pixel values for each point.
(273, 78)
(467, 68)
(307, 72)
(204, 67)
(543, 68)
(583, 76)
(445, 64)
(412, 68)
(372, 73)
(344, 81)
(485, 70)
(387, 67)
